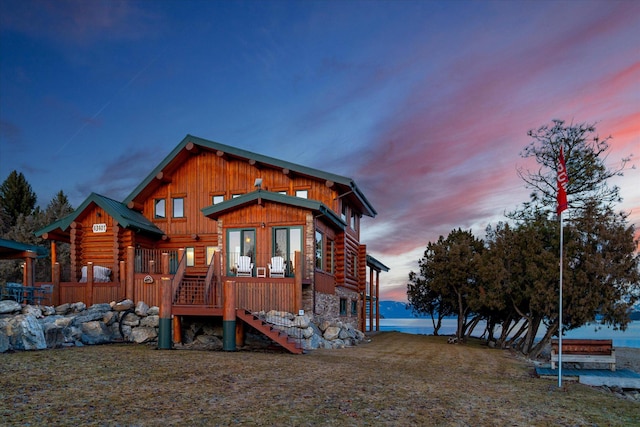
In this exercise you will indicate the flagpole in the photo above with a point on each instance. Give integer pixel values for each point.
(560, 311)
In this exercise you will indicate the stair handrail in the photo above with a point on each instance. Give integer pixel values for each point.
(208, 281)
(177, 278)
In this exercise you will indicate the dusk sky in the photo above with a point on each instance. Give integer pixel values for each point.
(425, 104)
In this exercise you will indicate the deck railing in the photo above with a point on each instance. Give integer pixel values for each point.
(143, 284)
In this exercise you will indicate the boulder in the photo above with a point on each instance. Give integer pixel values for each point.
(95, 332)
(9, 306)
(144, 334)
(63, 309)
(331, 333)
(150, 322)
(123, 305)
(95, 312)
(25, 333)
(142, 309)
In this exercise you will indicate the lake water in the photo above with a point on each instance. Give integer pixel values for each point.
(628, 338)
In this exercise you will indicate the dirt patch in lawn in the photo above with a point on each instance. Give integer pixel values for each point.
(396, 379)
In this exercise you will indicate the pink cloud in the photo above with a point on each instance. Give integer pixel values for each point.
(447, 156)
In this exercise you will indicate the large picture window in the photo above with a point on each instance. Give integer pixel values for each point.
(286, 242)
(240, 242)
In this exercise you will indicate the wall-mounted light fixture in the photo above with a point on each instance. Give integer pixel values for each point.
(258, 183)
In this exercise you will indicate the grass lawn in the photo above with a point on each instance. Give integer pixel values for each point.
(396, 379)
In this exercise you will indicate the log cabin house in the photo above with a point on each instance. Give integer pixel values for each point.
(286, 234)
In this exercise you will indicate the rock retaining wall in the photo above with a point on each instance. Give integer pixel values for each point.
(41, 327)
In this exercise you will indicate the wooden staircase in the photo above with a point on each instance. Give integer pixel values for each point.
(276, 335)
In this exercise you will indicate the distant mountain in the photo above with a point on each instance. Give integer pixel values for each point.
(400, 310)
(395, 310)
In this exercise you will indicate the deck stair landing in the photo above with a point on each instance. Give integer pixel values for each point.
(191, 290)
(276, 335)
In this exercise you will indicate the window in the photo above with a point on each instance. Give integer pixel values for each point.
(343, 306)
(190, 253)
(240, 242)
(343, 214)
(178, 207)
(354, 307)
(233, 196)
(210, 250)
(354, 221)
(159, 208)
(319, 251)
(303, 194)
(286, 242)
(217, 199)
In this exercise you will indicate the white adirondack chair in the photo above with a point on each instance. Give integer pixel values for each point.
(276, 268)
(244, 267)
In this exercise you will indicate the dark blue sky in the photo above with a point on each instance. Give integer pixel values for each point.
(426, 104)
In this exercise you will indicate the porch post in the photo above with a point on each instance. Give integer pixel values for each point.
(55, 297)
(229, 316)
(371, 295)
(54, 257)
(164, 325)
(298, 281)
(89, 287)
(131, 255)
(377, 300)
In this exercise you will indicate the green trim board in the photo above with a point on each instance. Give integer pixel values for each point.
(11, 248)
(377, 265)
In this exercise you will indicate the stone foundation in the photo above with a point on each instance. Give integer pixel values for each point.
(39, 327)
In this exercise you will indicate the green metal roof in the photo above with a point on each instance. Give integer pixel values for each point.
(376, 264)
(9, 248)
(125, 217)
(218, 209)
(266, 160)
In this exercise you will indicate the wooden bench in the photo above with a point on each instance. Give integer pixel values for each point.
(585, 351)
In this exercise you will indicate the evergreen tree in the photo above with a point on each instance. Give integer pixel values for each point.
(449, 279)
(16, 198)
(585, 154)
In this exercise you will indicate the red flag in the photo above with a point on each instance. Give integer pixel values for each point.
(563, 179)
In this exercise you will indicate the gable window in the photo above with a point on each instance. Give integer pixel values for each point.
(190, 253)
(343, 214)
(303, 194)
(240, 242)
(159, 207)
(286, 242)
(178, 207)
(319, 251)
(354, 221)
(217, 199)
